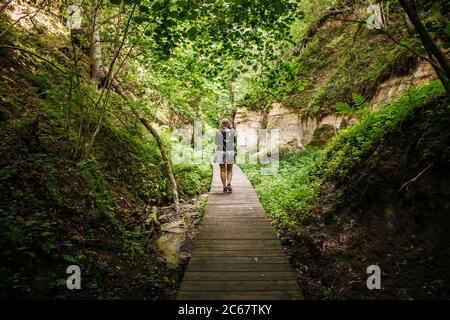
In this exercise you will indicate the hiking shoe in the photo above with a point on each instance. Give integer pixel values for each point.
(229, 188)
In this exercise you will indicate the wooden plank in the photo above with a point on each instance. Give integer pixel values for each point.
(238, 217)
(236, 229)
(234, 226)
(232, 217)
(238, 213)
(236, 247)
(249, 206)
(235, 195)
(245, 285)
(239, 249)
(245, 235)
(262, 242)
(240, 253)
(223, 246)
(226, 232)
(237, 203)
(256, 243)
(233, 260)
(239, 295)
(235, 267)
(249, 215)
(235, 210)
(217, 216)
(230, 198)
(245, 187)
(243, 219)
(236, 276)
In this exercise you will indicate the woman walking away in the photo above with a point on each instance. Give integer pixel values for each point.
(226, 152)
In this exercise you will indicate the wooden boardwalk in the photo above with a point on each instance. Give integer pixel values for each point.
(237, 255)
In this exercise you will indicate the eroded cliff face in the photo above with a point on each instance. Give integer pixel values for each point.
(387, 90)
(297, 131)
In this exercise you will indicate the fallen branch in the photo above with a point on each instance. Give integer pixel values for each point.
(406, 184)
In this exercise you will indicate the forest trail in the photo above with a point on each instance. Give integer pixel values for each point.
(237, 254)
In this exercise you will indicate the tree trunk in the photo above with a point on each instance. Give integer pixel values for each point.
(165, 157)
(164, 154)
(434, 52)
(97, 71)
(98, 75)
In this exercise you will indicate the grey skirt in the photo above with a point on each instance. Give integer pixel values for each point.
(223, 157)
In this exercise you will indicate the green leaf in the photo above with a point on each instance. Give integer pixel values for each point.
(77, 98)
(343, 108)
(144, 9)
(173, 14)
(358, 101)
(139, 19)
(422, 51)
(192, 33)
(447, 28)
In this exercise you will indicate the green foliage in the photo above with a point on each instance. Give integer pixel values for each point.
(293, 191)
(350, 145)
(359, 107)
(339, 60)
(55, 211)
(191, 60)
(192, 180)
(201, 205)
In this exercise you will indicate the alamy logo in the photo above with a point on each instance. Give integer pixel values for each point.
(74, 17)
(199, 146)
(74, 280)
(375, 21)
(374, 279)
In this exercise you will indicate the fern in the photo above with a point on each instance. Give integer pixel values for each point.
(343, 109)
(358, 101)
(358, 107)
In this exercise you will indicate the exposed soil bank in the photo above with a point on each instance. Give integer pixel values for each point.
(365, 219)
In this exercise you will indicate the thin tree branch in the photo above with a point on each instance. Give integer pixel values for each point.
(384, 32)
(5, 5)
(406, 184)
(34, 54)
(41, 6)
(410, 49)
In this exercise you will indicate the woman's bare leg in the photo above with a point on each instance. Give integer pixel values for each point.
(229, 172)
(223, 174)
